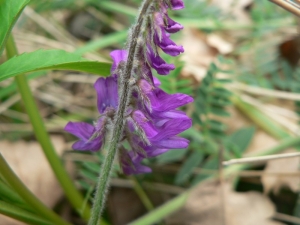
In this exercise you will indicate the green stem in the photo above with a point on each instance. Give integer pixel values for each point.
(28, 197)
(142, 194)
(21, 214)
(178, 202)
(42, 136)
(117, 129)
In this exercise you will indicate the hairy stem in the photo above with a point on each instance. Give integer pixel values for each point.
(124, 98)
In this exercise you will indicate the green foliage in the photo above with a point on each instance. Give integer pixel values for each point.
(240, 140)
(210, 104)
(51, 60)
(11, 210)
(89, 171)
(10, 11)
(188, 166)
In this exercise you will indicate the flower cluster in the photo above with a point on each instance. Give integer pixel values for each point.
(152, 121)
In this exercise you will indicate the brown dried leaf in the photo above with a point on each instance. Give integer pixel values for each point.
(198, 54)
(204, 207)
(28, 161)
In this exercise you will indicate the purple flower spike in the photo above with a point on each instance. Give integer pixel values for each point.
(107, 93)
(84, 131)
(147, 116)
(177, 4)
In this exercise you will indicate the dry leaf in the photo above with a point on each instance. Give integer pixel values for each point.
(198, 54)
(261, 141)
(204, 207)
(28, 161)
(223, 46)
(286, 165)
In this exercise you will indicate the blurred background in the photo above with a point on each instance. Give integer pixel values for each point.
(241, 66)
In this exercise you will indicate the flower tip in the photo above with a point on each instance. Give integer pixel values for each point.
(177, 4)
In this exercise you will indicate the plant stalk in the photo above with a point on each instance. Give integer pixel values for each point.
(43, 138)
(117, 130)
(23, 191)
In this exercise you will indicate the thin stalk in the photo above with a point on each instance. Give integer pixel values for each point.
(42, 136)
(21, 214)
(142, 194)
(28, 197)
(117, 129)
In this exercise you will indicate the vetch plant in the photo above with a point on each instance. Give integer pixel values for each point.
(131, 105)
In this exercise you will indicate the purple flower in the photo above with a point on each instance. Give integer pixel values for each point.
(107, 93)
(160, 100)
(90, 138)
(177, 4)
(162, 39)
(172, 26)
(158, 63)
(131, 163)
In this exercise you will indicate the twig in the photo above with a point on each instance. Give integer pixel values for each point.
(260, 158)
(288, 5)
(287, 218)
(265, 92)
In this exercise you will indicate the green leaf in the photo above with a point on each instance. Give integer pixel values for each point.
(21, 214)
(171, 156)
(187, 168)
(242, 138)
(10, 11)
(51, 60)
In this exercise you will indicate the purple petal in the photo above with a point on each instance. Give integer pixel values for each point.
(172, 128)
(172, 26)
(107, 93)
(118, 56)
(81, 130)
(136, 167)
(167, 45)
(89, 145)
(156, 82)
(144, 123)
(172, 143)
(153, 151)
(158, 63)
(84, 131)
(177, 4)
(161, 101)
